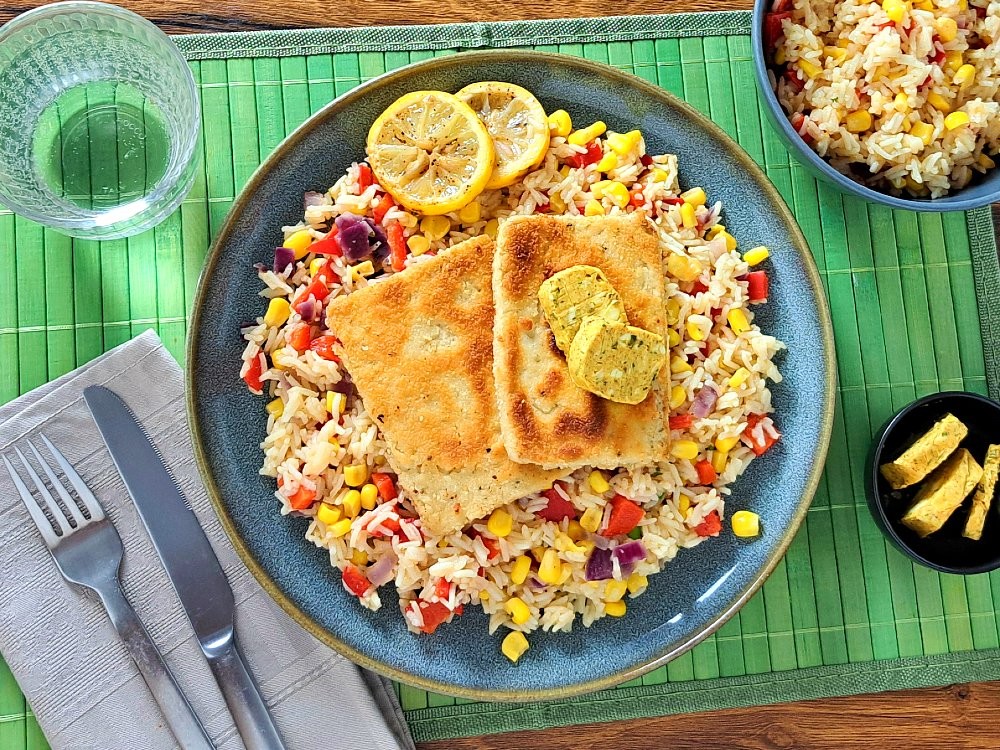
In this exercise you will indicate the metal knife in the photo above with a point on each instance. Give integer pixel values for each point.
(189, 560)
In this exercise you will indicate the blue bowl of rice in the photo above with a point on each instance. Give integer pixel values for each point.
(896, 103)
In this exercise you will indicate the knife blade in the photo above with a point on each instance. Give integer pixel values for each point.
(188, 557)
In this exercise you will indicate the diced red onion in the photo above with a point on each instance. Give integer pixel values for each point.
(599, 565)
(629, 555)
(535, 583)
(312, 198)
(381, 571)
(601, 542)
(381, 249)
(309, 309)
(704, 402)
(260, 267)
(354, 236)
(283, 258)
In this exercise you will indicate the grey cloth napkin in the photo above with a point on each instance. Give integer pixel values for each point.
(85, 691)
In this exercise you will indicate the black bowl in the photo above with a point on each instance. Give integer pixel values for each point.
(946, 549)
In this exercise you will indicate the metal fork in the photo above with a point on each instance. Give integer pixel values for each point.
(88, 551)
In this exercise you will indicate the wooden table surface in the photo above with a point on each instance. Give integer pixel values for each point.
(958, 717)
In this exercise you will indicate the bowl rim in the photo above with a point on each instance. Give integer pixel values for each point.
(952, 202)
(872, 475)
(798, 242)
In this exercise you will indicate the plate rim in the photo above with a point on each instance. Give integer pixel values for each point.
(511, 695)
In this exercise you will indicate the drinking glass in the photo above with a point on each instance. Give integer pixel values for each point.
(99, 120)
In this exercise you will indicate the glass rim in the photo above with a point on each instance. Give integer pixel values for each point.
(155, 211)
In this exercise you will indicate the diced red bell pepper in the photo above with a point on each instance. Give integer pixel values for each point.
(698, 287)
(329, 245)
(355, 581)
(558, 507)
(797, 120)
(681, 421)
(317, 289)
(772, 28)
(592, 155)
(299, 338)
(543, 208)
(397, 246)
(759, 449)
(636, 198)
(386, 487)
(390, 523)
(323, 346)
(492, 546)
(711, 526)
(706, 472)
(434, 613)
(365, 178)
(940, 56)
(793, 78)
(757, 286)
(780, 6)
(673, 201)
(625, 516)
(302, 499)
(645, 160)
(252, 376)
(442, 588)
(381, 208)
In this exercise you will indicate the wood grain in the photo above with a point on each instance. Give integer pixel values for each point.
(190, 16)
(959, 717)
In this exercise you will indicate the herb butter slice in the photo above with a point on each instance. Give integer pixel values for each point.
(614, 360)
(574, 294)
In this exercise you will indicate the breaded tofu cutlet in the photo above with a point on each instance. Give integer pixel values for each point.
(419, 348)
(545, 418)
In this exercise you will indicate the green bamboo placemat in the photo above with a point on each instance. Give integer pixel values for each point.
(914, 299)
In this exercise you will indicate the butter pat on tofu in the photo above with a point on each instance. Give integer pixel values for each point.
(943, 492)
(983, 498)
(925, 455)
(574, 294)
(615, 361)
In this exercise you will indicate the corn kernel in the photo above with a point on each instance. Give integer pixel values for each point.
(614, 591)
(679, 364)
(518, 610)
(336, 403)
(964, 75)
(275, 408)
(591, 519)
(738, 321)
(683, 268)
(687, 216)
(672, 308)
(719, 459)
(514, 645)
(624, 143)
(316, 265)
(597, 482)
(695, 331)
(356, 475)
(484, 595)
(328, 514)
(418, 244)
(500, 523)
(550, 568)
(435, 227)
(731, 243)
(956, 120)
(361, 270)
(986, 162)
(962, 5)
(607, 163)
(673, 338)
(745, 523)
(278, 311)
(359, 557)
(298, 242)
(695, 196)
(469, 213)
(575, 531)
(757, 255)
(618, 194)
(537, 552)
(858, 121)
(947, 28)
(340, 528)
(938, 102)
(352, 503)
(593, 208)
(557, 204)
(615, 609)
(276, 356)
(586, 545)
(726, 444)
(780, 58)
(636, 583)
(924, 5)
(894, 9)
(739, 377)
(685, 449)
(684, 506)
(677, 396)
(560, 123)
(901, 102)
(924, 131)
(714, 231)
(519, 571)
(953, 59)
(565, 543)
(838, 54)
(583, 136)
(659, 175)
(810, 68)
(369, 496)
(490, 230)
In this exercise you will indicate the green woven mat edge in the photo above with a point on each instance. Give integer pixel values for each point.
(986, 273)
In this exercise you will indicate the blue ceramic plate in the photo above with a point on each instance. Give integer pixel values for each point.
(701, 588)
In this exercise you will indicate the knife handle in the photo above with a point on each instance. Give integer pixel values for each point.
(253, 720)
(180, 717)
